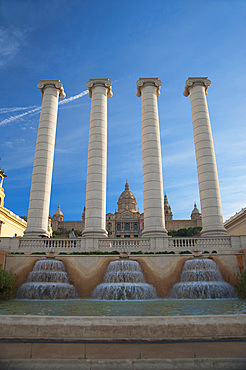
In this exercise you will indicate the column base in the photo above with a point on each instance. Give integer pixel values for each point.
(101, 233)
(214, 232)
(36, 234)
(155, 233)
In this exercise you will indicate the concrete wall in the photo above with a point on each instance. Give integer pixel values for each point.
(86, 272)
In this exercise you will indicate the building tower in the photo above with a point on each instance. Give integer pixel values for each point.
(2, 194)
(167, 209)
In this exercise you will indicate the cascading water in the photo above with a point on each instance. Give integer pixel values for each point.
(201, 279)
(124, 280)
(48, 280)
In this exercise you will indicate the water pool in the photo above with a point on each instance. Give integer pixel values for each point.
(92, 307)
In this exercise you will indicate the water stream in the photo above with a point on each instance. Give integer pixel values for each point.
(48, 280)
(201, 279)
(124, 280)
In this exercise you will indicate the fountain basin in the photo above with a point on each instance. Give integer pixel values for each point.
(122, 328)
(124, 280)
(201, 279)
(48, 280)
(94, 307)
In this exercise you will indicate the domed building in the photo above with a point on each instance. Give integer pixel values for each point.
(58, 215)
(127, 222)
(195, 214)
(57, 222)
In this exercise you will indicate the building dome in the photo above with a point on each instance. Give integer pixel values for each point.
(58, 215)
(127, 200)
(196, 214)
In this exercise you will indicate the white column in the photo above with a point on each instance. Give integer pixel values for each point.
(212, 218)
(154, 219)
(39, 203)
(95, 214)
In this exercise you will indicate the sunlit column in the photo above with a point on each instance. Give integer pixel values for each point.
(212, 218)
(95, 215)
(154, 219)
(39, 203)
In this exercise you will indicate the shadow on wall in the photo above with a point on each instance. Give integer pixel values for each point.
(86, 272)
(162, 275)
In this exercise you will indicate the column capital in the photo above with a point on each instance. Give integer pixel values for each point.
(104, 82)
(149, 81)
(52, 83)
(192, 81)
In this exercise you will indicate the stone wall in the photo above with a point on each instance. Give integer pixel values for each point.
(67, 225)
(182, 224)
(86, 272)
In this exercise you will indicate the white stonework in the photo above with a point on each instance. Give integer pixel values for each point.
(39, 202)
(154, 219)
(212, 218)
(95, 216)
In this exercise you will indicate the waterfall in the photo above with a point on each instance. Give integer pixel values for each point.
(124, 280)
(201, 279)
(48, 280)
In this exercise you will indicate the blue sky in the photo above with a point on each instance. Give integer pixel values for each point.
(77, 40)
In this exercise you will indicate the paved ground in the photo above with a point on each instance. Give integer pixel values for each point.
(162, 355)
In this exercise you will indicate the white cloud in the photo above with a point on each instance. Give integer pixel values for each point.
(11, 40)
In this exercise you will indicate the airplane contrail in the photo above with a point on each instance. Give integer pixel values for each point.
(34, 110)
(15, 109)
(14, 118)
(65, 101)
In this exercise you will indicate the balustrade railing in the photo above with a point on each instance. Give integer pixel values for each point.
(124, 245)
(200, 244)
(49, 243)
(68, 245)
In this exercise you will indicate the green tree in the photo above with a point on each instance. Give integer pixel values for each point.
(241, 285)
(7, 284)
(191, 231)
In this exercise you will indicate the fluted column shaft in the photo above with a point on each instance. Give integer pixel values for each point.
(95, 214)
(154, 219)
(39, 203)
(212, 218)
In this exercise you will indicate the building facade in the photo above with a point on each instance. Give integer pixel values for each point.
(10, 223)
(127, 222)
(236, 225)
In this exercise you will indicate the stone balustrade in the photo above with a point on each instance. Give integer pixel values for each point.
(124, 245)
(81, 245)
(68, 245)
(200, 244)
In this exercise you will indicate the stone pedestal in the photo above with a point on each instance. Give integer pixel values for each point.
(212, 218)
(154, 219)
(95, 214)
(39, 203)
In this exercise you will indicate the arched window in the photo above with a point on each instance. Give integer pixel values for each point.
(127, 227)
(118, 227)
(135, 227)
